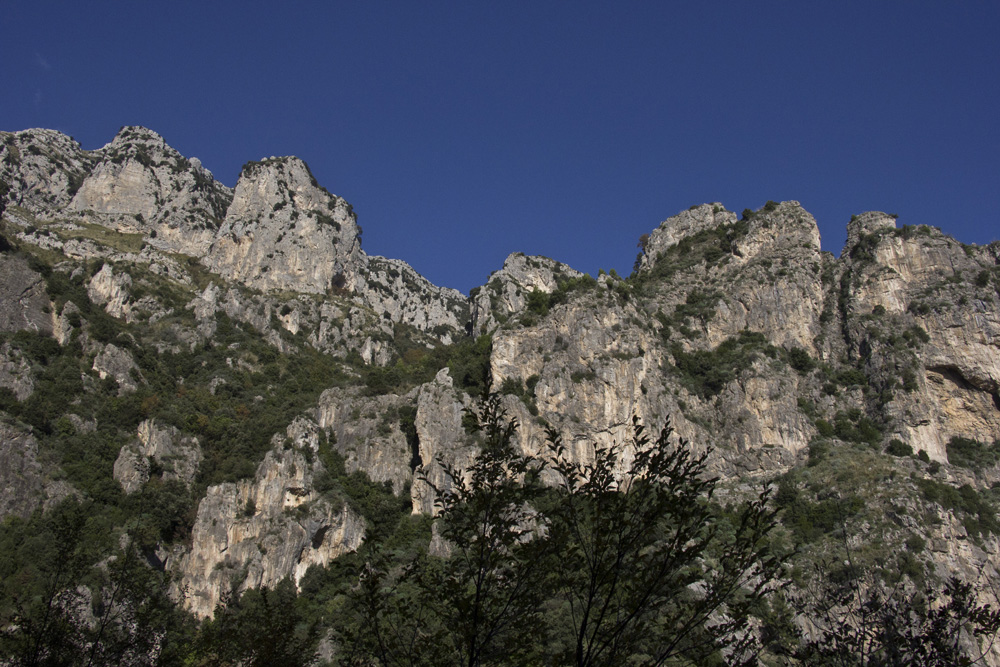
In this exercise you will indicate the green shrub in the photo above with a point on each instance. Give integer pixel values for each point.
(972, 454)
(707, 372)
(899, 448)
(800, 360)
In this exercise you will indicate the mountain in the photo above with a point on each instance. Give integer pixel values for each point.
(234, 358)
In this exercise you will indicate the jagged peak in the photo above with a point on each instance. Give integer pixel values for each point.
(778, 226)
(43, 135)
(869, 222)
(284, 164)
(133, 134)
(274, 182)
(140, 144)
(687, 223)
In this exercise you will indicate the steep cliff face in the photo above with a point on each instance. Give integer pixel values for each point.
(749, 337)
(441, 438)
(139, 184)
(258, 531)
(944, 378)
(741, 330)
(638, 348)
(138, 201)
(284, 232)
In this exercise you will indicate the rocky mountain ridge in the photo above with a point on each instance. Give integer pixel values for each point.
(740, 329)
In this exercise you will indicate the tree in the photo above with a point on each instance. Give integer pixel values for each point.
(863, 622)
(480, 605)
(643, 246)
(78, 601)
(646, 567)
(257, 628)
(607, 567)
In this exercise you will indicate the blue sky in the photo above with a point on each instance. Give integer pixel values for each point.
(463, 131)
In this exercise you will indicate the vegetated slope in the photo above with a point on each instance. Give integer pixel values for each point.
(228, 378)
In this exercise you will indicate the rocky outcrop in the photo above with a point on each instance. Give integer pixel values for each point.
(115, 362)
(140, 184)
(368, 431)
(43, 169)
(685, 224)
(175, 455)
(441, 439)
(25, 484)
(923, 311)
(895, 305)
(111, 290)
(396, 292)
(284, 232)
(24, 305)
(259, 531)
(15, 372)
(137, 201)
(740, 330)
(506, 293)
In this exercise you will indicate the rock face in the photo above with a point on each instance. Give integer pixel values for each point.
(261, 530)
(368, 433)
(15, 372)
(283, 232)
(506, 292)
(733, 330)
(25, 484)
(687, 223)
(918, 281)
(42, 168)
(740, 330)
(115, 362)
(176, 455)
(140, 184)
(441, 438)
(399, 294)
(111, 291)
(279, 231)
(24, 305)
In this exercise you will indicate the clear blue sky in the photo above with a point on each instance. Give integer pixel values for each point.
(463, 131)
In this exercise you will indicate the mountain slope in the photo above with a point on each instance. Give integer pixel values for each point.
(237, 358)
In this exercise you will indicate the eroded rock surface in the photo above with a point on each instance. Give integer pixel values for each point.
(265, 529)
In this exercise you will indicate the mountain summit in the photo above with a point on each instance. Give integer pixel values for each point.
(235, 356)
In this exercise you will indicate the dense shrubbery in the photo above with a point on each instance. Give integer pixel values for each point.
(467, 360)
(707, 372)
(708, 246)
(972, 454)
(976, 510)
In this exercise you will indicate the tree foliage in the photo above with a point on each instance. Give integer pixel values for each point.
(625, 559)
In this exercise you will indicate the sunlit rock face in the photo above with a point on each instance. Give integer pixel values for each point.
(737, 328)
(139, 184)
(284, 232)
(259, 531)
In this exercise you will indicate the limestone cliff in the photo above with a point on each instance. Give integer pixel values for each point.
(506, 292)
(740, 329)
(283, 232)
(177, 456)
(140, 184)
(258, 531)
(137, 200)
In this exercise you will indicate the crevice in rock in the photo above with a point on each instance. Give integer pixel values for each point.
(317, 539)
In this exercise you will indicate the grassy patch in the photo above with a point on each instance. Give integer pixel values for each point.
(107, 237)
